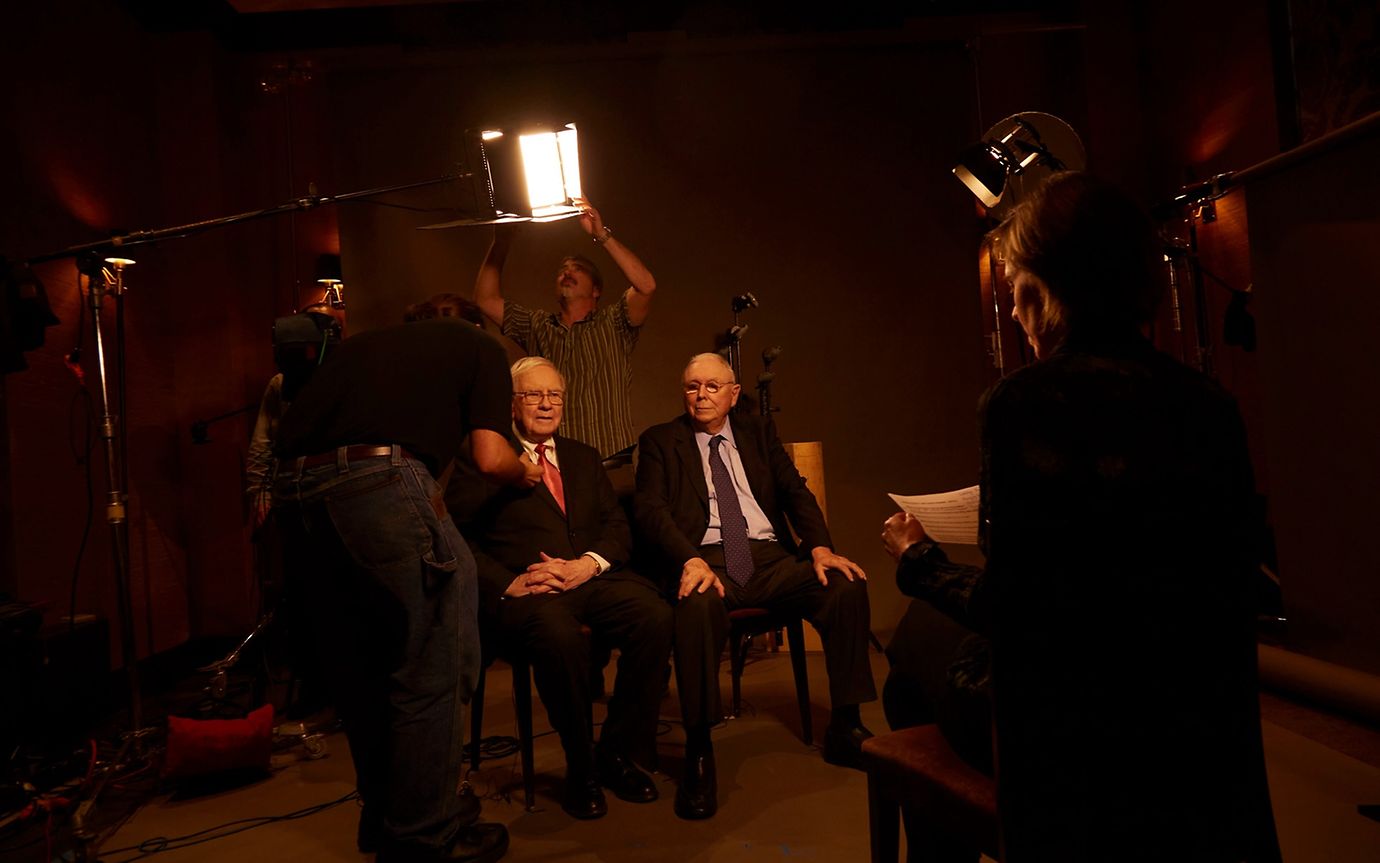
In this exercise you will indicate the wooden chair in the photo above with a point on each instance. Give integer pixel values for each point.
(744, 623)
(953, 806)
(522, 706)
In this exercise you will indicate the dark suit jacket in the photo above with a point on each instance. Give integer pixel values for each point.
(508, 532)
(672, 501)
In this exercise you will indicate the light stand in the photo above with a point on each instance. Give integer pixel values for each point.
(91, 259)
(100, 281)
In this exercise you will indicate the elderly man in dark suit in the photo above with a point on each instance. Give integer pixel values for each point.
(717, 497)
(551, 559)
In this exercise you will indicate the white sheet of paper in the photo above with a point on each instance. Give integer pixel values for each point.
(950, 516)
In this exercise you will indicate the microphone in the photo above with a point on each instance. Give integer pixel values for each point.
(744, 302)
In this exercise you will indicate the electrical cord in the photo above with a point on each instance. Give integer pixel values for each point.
(158, 844)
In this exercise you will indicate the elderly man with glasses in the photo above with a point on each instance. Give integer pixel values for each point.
(551, 559)
(718, 498)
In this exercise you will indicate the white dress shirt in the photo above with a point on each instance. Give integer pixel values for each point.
(759, 526)
(530, 449)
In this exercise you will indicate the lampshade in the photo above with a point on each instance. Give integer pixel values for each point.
(328, 269)
(526, 174)
(1016, 154)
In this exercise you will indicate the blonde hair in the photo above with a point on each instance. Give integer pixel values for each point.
(1094, 249)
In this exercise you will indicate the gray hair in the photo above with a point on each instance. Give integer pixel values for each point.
(527, 364)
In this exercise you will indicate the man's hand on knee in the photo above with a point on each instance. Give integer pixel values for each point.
(697, 577)
(825, 559)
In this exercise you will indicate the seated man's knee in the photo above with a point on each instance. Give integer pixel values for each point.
(554, 629)
(700, 605)
(843, 590)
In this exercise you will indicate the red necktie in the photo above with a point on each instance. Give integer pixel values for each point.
(551, 477)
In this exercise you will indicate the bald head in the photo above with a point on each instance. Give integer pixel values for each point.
(713, 359)
(710, 392)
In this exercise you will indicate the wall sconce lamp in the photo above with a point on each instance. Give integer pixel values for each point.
(1019, 151)
(531, 174)
(328, 275)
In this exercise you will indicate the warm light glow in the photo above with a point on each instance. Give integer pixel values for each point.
(490, 135)
(120, 262)
(551, 162)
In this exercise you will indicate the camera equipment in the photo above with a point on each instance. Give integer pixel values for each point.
(300, 344)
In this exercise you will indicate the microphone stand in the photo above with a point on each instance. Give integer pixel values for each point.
(91, 258)
(734, 336)
(1199, 202)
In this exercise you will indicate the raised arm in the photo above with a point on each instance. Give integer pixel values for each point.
(488, 284)
(639, 296)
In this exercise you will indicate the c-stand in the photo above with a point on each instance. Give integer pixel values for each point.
(92, 259)
(101, 281)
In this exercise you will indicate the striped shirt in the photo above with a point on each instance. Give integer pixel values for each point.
(595, 357)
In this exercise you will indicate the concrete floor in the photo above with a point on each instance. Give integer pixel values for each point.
(778, 799)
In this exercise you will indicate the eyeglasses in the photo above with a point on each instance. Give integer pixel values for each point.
(711, 387)
(534, 397)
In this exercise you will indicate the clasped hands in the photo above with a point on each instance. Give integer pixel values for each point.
(553, 575)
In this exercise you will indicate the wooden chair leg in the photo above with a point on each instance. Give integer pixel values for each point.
(795, 634)
(522, 704)
(883, 823)
(477, 718)
(737, 658)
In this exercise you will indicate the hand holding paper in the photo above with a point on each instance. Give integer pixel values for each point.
(950, 516)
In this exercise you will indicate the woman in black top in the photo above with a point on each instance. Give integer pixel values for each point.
(1120, 525)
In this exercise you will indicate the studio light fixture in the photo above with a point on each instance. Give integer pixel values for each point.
(1017, 151)
(521, 174)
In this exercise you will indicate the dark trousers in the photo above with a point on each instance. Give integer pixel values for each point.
(623, 613)
(938, 674)
(392, 608)
(784, 583)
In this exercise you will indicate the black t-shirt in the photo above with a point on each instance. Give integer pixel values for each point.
(422, 385)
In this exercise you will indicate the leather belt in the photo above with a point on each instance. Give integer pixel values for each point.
(352, 453)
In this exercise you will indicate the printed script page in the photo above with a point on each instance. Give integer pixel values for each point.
(950, 516)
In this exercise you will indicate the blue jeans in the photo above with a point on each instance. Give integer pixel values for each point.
(391, 595)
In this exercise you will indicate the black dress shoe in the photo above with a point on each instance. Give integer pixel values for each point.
(618, 774)
(698, 795)
(481, 842)
(843, 745)
(583, 798)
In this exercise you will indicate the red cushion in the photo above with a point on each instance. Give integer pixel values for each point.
(197, 747)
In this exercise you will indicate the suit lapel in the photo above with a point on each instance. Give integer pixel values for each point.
(690, 461)
(754, 461)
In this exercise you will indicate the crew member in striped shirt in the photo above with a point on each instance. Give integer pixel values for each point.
(591, 345)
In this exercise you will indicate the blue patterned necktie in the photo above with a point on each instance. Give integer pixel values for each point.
(732, 524)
